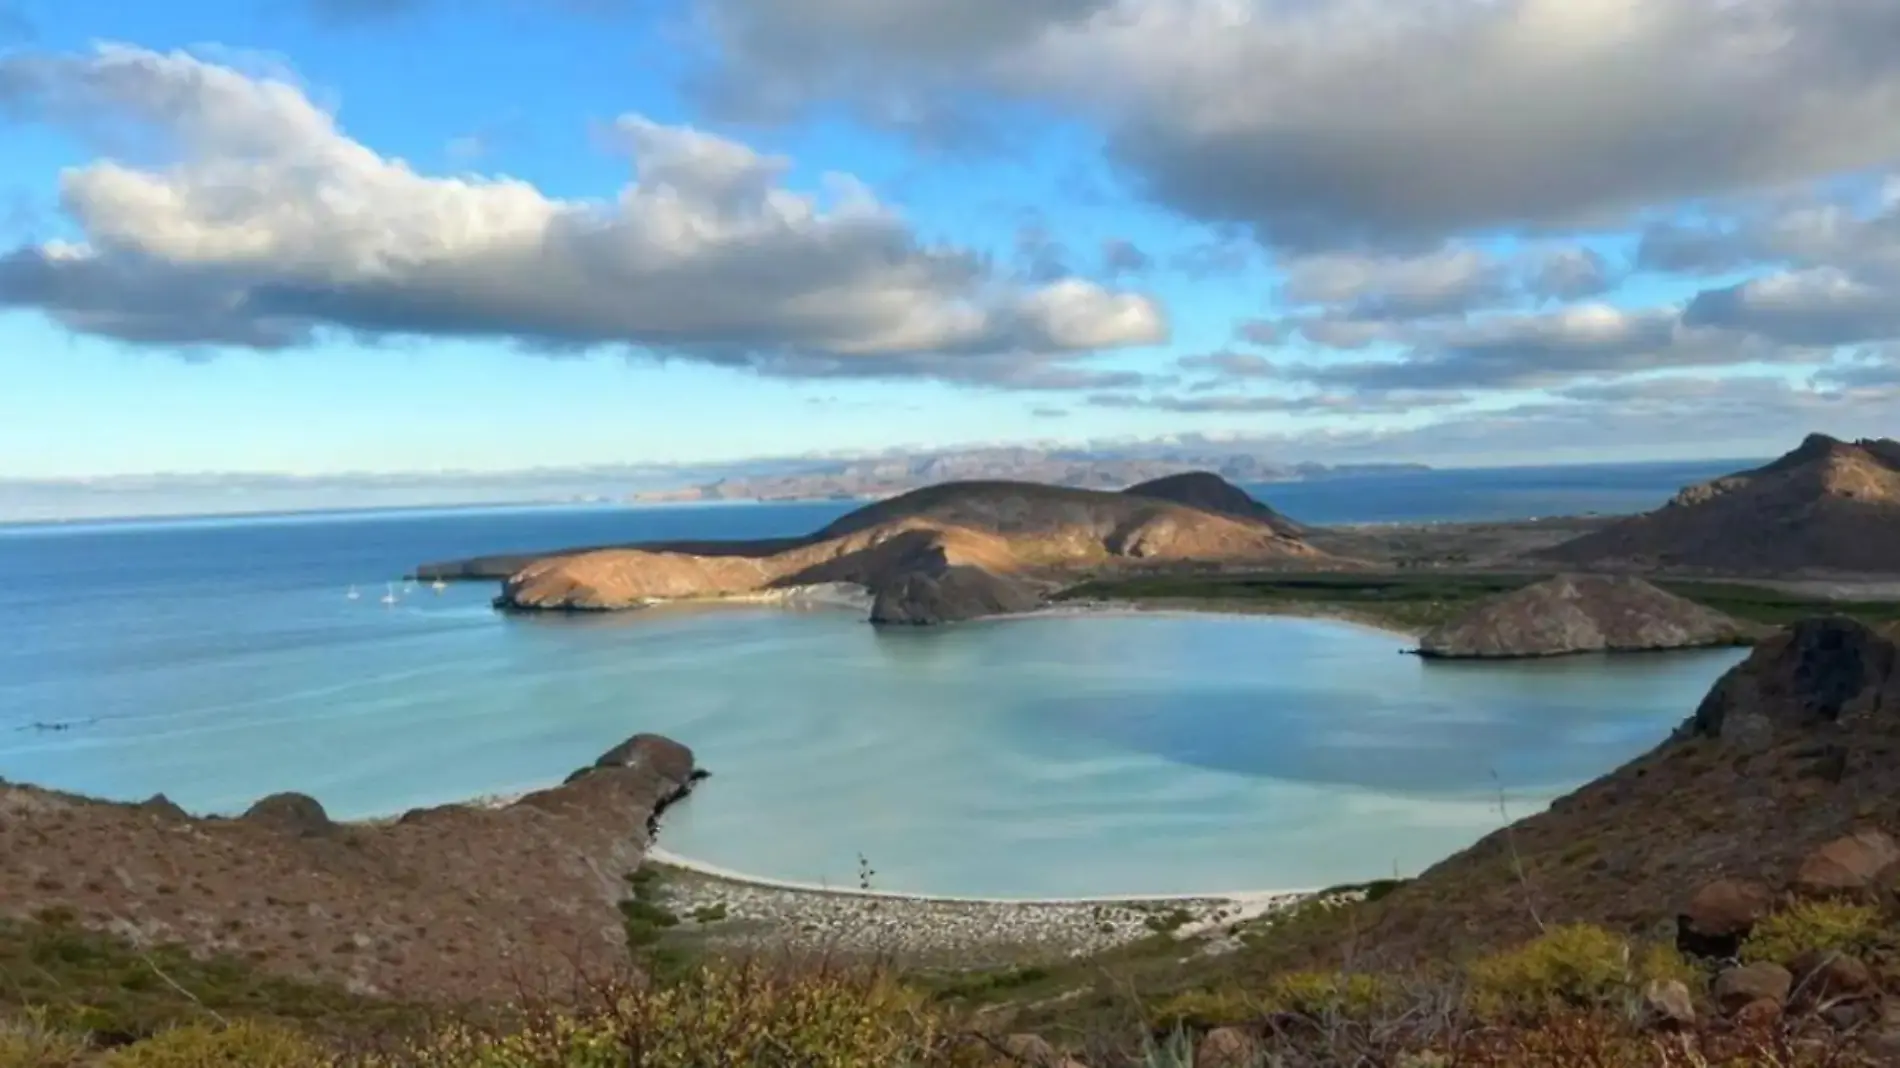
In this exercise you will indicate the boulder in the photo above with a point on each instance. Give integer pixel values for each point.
(1030, 1051)
(1225, 1047)
(1578, 614)
(1720, 915)
(1818, 672)
(297, 814)
(920, 598)
(1825, 975)
(1758, 1015)
(1737, 988)
(1667, 1003)
(1852, 864)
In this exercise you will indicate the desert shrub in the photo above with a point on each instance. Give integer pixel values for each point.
(1576, 966)
(1199, 1010)
(238, 1045)
(736, 1015)
(1334, 994)
(1831, 926)
(28, 1041)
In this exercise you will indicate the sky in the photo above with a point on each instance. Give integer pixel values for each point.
(320, 236)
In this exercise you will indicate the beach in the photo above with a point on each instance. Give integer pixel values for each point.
(728, 911)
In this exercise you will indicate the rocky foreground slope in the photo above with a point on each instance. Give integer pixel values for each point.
(954, 551)
(445, 903)
(1582, 614)
(1827, 506)
(1796, 746)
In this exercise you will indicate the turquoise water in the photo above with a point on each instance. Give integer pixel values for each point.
(217, 661)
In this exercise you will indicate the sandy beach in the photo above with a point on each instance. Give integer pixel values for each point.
(727, 910)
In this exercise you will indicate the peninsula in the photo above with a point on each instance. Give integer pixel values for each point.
(963, 550)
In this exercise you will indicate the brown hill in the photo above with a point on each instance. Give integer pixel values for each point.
(1020, 536)
(1211, 493)
(1827, 506)
(444, 903)
(1797, 745)
(1579, 614)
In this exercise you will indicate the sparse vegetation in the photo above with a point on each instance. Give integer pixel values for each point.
(1827, 926)
(1574, 967)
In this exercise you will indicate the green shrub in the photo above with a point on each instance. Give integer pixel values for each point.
(1200, 1010)
(1334, 994)
(736, 1015)
(1577, 966)
(28, 1041)
(241, 1044)
(1830, 926)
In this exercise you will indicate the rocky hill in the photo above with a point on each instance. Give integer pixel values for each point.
(442, 904)
(1211, 493)
(942, 553)
(1827, 506)
(1580, 614)
(1794, 747)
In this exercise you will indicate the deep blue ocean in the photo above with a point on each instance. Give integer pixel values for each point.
(219, 659)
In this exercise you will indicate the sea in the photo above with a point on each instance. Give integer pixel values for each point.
(219, 659)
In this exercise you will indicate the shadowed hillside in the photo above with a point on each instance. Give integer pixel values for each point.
(1827, 506)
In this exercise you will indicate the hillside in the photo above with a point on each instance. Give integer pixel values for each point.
(1211, 493)
(1795, 746)
(1829, 506)
(442, 904)
(1006, 541)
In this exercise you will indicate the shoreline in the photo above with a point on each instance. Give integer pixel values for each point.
(724, 911)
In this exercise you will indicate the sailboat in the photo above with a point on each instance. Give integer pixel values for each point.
(389, 593)
(352, 595)
(438, 585)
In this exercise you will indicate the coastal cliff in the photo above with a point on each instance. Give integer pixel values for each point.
(1579, 614)
(442, 904)
(948, 552)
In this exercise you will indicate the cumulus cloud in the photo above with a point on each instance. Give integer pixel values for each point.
(1384, 121)
(270, 225)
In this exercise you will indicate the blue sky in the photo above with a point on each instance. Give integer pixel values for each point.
(273, 236)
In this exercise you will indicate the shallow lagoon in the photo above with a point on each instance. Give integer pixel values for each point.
(1086, 756)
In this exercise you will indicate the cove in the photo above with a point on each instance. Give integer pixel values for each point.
(1092, 755)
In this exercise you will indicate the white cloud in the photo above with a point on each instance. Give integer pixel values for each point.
(272, 225)
(1338, 121)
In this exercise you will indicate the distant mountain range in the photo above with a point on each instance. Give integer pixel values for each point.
(885, 476)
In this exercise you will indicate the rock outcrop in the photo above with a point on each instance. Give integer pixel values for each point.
(448, 903)
(1579, 614)
(1828, 506)
(955, 593)
(950, 552)
(1795, 747)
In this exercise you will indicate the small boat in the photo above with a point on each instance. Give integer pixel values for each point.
(438, 585)
(352, 595)
(389, 593)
